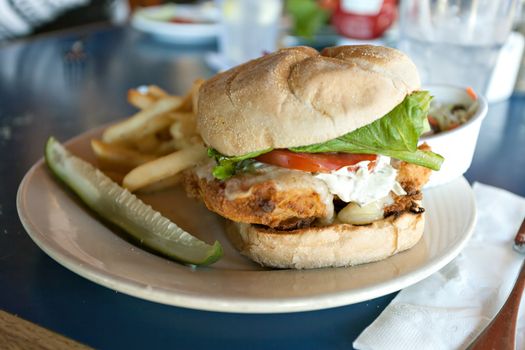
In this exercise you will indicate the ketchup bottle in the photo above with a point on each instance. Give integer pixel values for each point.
(364, 19)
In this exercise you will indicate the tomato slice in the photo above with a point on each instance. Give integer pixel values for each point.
(315, 162)
(181, 20)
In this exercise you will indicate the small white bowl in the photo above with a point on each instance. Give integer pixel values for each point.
(457, 145)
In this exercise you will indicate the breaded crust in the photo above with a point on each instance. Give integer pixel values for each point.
(413, 177)
(269, 202)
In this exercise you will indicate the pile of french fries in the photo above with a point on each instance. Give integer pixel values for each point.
(149, 150)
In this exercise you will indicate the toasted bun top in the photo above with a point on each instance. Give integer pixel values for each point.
(298, 96)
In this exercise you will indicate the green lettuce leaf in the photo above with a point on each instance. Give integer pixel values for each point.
(395, 135)
(228, 166)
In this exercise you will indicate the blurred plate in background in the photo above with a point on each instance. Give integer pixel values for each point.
(179, 24)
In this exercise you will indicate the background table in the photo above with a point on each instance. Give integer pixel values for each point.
(45, 91)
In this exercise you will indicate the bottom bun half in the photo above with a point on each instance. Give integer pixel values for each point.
(328, 246)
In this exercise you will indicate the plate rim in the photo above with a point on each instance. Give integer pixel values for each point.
(233, 304)
(200, 32)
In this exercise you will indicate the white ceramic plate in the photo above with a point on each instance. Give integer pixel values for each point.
(68, 233)
(155, 21)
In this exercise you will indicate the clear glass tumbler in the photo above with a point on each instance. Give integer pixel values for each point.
(455, 42)
(250, 28)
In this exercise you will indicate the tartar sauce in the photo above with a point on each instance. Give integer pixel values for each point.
(363, 186)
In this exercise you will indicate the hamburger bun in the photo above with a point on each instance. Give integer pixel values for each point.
(328, 246)
(298, 96)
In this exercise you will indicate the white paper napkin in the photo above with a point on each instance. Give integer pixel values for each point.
(449, 309)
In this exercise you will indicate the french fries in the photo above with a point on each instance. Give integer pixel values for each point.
(162, 184)
(166, 147)
(149, 150)
(157, 92)
(143, 97)
(120, 157)
(184, 134)
(139, 100)
(136, 126)
(155, 125)
(164, 167)
(147, 144)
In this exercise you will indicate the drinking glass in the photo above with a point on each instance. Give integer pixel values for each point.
(455, 42)
(249, 29)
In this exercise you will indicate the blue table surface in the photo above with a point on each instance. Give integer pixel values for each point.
(42, 94)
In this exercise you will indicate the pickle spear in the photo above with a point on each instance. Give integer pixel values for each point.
(122, 208)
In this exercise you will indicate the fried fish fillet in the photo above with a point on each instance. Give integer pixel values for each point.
(274, 197)
(287, 199)
(413, 177)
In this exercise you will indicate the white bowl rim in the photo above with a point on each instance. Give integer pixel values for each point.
(141, 18)
(481, 112)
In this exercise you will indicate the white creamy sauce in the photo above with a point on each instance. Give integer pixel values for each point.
(363, 186)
